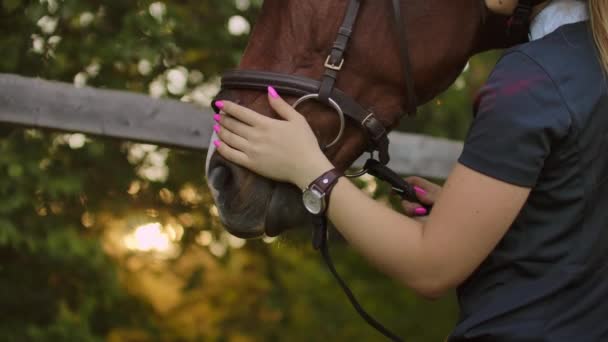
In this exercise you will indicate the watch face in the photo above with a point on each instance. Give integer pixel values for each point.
(313, 201)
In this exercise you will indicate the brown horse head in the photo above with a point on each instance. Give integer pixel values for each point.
(294, 36)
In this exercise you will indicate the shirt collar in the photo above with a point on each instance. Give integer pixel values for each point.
(556, 14)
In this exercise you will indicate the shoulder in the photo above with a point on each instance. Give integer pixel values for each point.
(521, 92)
(568, 58)
(565, 56)
(520, 116)
(550, 76)
(558, 49)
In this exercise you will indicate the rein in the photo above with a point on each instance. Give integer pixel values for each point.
(320, 240)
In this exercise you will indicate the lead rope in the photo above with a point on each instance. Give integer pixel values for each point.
(320, 243)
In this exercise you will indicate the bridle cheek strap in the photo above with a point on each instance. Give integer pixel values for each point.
(335, 59)
(406, 63)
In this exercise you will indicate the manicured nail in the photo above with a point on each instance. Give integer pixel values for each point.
(273, 93)
(217, 117)
(216, 128)
(219, 104)
(420, 191)
(420, 211)
(217, 143)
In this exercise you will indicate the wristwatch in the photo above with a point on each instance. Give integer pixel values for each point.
(316, 196)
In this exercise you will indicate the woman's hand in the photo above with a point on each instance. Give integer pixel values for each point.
(426, 192)
(281, 150)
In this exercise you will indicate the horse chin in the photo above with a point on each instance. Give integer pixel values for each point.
(251, 206)
(285, 210)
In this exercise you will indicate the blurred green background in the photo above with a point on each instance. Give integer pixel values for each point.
(118, 241)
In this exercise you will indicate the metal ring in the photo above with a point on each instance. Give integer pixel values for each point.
(334, 105)
(356, 174)
(360, 172)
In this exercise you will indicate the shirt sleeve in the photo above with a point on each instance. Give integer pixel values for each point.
(520, 116)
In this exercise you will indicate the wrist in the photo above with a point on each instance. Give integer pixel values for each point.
(311, 171)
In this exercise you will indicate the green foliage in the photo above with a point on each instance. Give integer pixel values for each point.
(57, 283)
(65, 277)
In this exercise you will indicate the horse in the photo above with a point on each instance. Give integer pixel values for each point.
(293, 37)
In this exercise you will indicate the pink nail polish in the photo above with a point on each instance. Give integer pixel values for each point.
(217, 117)
(420, 191)
(273, 93)
(216, 128)
(219, 104)
(217, 143)
(420, 211)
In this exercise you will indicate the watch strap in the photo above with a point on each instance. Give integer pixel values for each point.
(326, 181)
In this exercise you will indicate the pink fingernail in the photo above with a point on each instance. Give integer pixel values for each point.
(420, 211)
(219, 104)
(216, 128)
(420, 191)
(273, 93)
(217, 117)
(217, 143)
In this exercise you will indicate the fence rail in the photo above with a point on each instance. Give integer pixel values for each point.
(54, 105)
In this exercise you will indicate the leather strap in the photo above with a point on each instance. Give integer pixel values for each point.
(399, 185)
(322, 245)
(406, 64)
(378, 135)
(298, 86)
(326, 181)
(335, 59)
(290, 85)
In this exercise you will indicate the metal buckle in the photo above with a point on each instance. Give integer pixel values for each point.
(315, 188)
(360, 172)
(371, 114)
(369, 131)
(328, 65)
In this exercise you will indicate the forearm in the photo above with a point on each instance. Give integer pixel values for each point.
(391, 241)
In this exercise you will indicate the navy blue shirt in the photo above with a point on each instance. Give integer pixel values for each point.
(541, 122)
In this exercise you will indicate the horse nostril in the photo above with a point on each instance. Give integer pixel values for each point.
(221, 177)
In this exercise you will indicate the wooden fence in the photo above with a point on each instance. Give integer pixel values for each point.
(53, 105)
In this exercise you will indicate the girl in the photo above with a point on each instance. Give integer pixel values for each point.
(520, 227)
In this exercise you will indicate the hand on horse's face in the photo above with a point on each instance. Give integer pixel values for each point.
(282, 150)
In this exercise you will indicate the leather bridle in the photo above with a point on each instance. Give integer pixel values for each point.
(324, 91)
